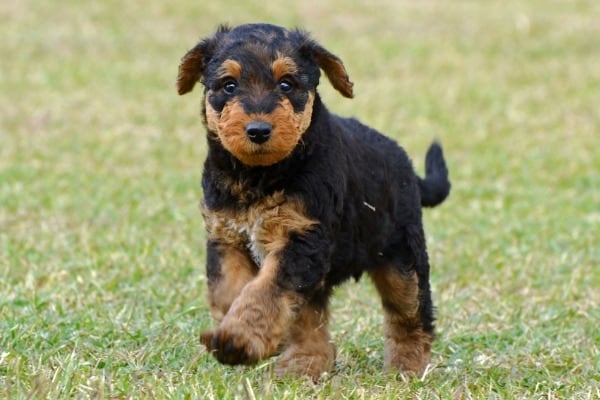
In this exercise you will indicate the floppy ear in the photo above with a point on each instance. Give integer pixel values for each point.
(334, 69)
(192, 66)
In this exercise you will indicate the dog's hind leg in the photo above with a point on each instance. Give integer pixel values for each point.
(407, 342)
(406, 300)
(309, 350)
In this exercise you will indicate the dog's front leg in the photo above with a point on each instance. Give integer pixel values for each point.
(258, 319)
(229, 269)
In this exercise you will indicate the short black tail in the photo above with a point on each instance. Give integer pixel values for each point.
(436, 186)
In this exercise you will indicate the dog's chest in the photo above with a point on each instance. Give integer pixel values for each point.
(260, 228)
(249, 233)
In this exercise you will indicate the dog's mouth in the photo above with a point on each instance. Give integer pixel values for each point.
(272, 151)
(262, 154)
(259, 149)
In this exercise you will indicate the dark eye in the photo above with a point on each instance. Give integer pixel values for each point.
(285, 85)
(229, 87)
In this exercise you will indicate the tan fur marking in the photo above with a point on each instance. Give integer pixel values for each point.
(237, 269)
(212, 116)
(335, 71)
(262, 228)
(310, 351)
(288, 128)
(398, 291)
(229, 69)
(407, 346)
(190, 70)
(283, 66)
(304, 119)
(406, 350)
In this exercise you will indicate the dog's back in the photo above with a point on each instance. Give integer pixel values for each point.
(372, 189)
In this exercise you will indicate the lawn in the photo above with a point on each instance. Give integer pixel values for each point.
(102, 287)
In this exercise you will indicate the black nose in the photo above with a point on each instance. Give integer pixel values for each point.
(258, 132)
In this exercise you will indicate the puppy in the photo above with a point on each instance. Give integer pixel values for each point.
(297, 200)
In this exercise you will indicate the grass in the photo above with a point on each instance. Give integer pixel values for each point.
(101, 258)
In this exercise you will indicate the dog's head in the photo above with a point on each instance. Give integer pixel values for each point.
(260, 83)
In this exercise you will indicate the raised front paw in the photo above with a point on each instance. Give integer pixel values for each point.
(231, 345)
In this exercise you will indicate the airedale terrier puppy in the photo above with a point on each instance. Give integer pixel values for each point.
(297, 200)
